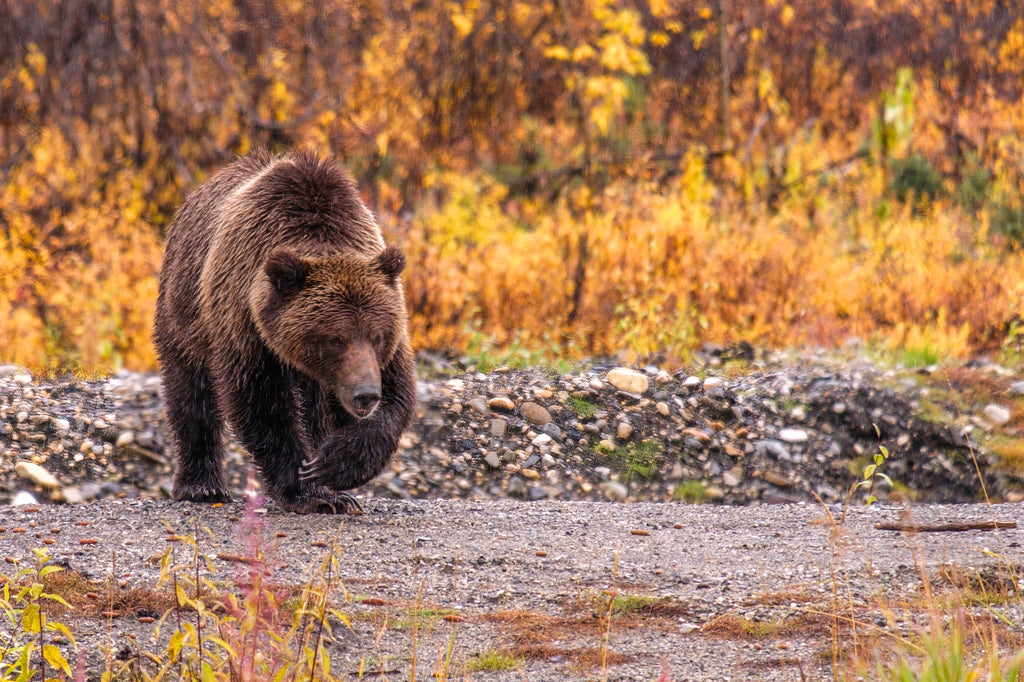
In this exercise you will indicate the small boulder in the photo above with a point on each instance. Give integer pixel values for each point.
(628, 380)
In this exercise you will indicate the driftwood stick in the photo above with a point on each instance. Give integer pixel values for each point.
(945, 527)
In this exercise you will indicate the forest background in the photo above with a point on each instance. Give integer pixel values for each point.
(567, 177)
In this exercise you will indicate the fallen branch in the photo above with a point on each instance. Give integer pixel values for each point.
(945, 527)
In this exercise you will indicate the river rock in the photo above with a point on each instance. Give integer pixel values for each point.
(535, 413)
(997, 415)
(628, 380)
(793, 435)
(36, 474)
(501, 404)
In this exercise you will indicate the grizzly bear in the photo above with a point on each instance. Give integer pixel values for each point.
(281, 314)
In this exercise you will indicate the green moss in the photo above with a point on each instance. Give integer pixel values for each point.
(691, 490)
(583, 408)
(638, 461)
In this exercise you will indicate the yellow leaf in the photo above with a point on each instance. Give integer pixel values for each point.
(559, 52)
(583, 53)
(463, 24)
(787, 15)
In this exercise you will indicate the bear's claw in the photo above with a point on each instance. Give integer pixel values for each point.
(323, 501)
(201, 493)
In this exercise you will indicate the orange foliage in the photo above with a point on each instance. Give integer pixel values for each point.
(560, 172)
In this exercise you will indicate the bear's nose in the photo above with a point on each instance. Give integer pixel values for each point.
(366, 398)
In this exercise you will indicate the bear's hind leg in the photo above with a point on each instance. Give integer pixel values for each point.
(195, 425)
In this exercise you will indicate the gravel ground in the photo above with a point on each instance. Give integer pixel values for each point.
(780, 429)
(501, 525)
(718, 593)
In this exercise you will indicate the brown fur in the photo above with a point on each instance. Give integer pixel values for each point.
(281, 314)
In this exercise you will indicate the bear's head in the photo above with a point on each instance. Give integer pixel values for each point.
(337, 318)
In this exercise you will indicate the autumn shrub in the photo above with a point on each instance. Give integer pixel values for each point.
(79, 264)
(658, 270)
(583, 177)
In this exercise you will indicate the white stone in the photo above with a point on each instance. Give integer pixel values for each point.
(22, 498)
(628, 380)
(662, 409)
(691, 381)
(614, 490)
(711, 382)
(541, 439)
(997, 415)
(623, 431)
(36, 474)
(793, 435)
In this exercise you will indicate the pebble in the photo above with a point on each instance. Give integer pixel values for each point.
(498, 428)
(623, 431)
(776, 480)
(36, 474)
(614, 490)
(713, 382)
(23, 498)
(493, 460)
(501, 404)
(628, 380)
(997, 415)
(1017, 388)
(535, 413)
(793, 435)
(541, 440)
(663, 409)
(691, 382)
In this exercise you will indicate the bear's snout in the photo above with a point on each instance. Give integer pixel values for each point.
(358, 388)
(365, 399)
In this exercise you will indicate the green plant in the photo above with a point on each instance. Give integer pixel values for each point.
(871, 474)
(1008, 220)
(691, 490)
(492, 660)
(582, 407)
(940, 657)
(915, 180)
(24, 610)
(975, 185)
(638, 460)
(626, 604)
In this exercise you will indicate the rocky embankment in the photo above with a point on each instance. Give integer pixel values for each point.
(779, 429)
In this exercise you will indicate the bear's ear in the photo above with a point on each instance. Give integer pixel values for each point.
(286, 271)
(390, 263)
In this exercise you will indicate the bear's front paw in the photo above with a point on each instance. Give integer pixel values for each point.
(322, 500)
(200, 493)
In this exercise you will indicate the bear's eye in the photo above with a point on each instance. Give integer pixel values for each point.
(334, 342)
(377, 340)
